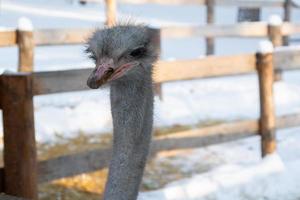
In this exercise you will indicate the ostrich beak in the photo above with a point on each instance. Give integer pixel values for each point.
(106, 71)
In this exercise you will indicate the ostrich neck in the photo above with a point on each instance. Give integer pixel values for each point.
(132, 112)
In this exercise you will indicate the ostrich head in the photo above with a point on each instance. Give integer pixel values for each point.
(123, 52)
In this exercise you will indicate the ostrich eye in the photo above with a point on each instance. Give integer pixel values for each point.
(93, 57)
(139, 52)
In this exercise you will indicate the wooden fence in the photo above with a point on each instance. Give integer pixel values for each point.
(287, 5)
(22, 172)
(27, 40)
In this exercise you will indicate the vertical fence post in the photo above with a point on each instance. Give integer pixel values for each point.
(287, 18)
(20, 162)
(275, 36)
(111, 11)
(26, 45)
(264, 64)
(158, 86)
(210, 19)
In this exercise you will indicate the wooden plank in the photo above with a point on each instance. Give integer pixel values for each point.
(267, 108)
(8, 37)
(212, 66)
(239, 3)
(290, 29)
(19, 137)
(97, 159)
(275, 36)
(66, 166)
(61, 36)
(246, 29)
(288, 121)
(287, 15)
(78, 36)
(206, 136)
(165, 71)
(61, 167)
(60, 81)
(210, 19)
(287, 58)
(7, 197)
(26, 51)
(111, 12)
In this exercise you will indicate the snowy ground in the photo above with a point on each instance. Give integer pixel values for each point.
(239, 173)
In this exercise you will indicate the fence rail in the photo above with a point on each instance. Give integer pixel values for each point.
(242, 3)
(43, 37)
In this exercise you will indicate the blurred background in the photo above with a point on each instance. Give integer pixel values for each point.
(75, 122)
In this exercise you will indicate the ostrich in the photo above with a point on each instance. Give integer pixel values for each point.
(124, 55)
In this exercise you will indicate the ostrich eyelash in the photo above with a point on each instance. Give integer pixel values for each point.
(92, 56)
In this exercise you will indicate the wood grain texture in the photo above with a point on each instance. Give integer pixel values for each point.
(65, 166)
(94, 160)
(239, 3)
(276, 37)
(19, 137)
(287, 13)
(210, 19)
(164, 71)
(7, 197)
(61, 36)
(26, 51)
(246, 29)
(212, 66)
(60, 81)
(8, 38)
(97, 159)
(287, 58)
(267, 109)
(111, 12)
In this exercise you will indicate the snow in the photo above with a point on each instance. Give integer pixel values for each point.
(24, 24)
(265, 46)
(237, 171)
(275, 20)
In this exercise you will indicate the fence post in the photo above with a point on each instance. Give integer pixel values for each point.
(111, 11)
(275, 36)
(264, 64)
(26, 45)
(158, 86)
(20, 162)
(288, 4)
(210, 19)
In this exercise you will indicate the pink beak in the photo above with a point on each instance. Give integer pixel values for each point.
(101, 73)
(106, 71)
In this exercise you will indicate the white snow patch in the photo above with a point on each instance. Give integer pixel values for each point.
(275, 20)
(25, 24)
(265, 46)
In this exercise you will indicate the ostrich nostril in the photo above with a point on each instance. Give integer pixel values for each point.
(92, 83)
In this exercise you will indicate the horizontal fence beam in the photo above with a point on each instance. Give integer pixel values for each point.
(8, 38)
(61, 36)
(243, 3)
(97, 159)
(211, 66)
(287, 58)
(79, 35)
(166, 71)
(246, 29)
